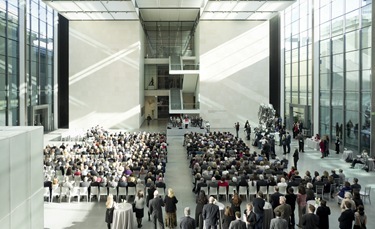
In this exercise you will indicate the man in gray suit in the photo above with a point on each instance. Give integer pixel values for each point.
(211, 214)
(156, 210)
(238, 223)
(278, 223)
(187, 222)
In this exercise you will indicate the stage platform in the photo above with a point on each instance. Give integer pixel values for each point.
(174, 131)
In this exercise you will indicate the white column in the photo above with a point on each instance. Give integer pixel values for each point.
(22, 65)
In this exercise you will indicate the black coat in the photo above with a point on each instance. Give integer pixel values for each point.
(323, 212)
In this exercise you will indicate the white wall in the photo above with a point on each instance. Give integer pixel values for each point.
(234, 71)
(21, 175)
(105, 72)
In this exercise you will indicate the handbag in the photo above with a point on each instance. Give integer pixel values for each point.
(133, 205)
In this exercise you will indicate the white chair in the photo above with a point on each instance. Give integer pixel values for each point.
(94, 191)
(122, 193)
(264, 190)
(113, 191)
(161, 191)
(64, 193)
(77, 181)
(102, 192)
(243, 191)
(205, 189)
(212, 192)
(131, 192)
(366, 194)
(319, 191)
(47, 194)
(223, 192)
(74, 192)
(56, 192)
(252, 191)
(295, 189)
(282, 189)
(83, 192)
(271, 190)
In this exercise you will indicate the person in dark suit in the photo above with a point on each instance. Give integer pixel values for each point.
(347, 216)
(310, 220)
(238, 223)
(284, 209)
(291, 199)
(258, 204)
(278, 222)
(211, 214)
(275, 197)
(155, 208)
(295, 157)
(228, 217)
(323, 213)
(187, 222)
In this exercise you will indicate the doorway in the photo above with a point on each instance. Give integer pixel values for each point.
(300, 113)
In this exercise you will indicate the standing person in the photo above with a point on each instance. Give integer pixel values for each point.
(238, 223)
(139, 207)
(258, 204)
(284, 209)
(283, 142)
(148, 120)
(170, 202)
(301, 202)
(248, 130)
(310, 220)
(109, 210)
(211, 214)
(337, 144)
(291, 199)
(288, 141)
(322, 147)
(201, 201)
(237, 127)
(187, 222)
(278, 222)
(250, 216)
(323, 213)
(349, 127)
(155, 208)
(295, 157)
(228, 217)
(347, 216)
(301, 143)
(150, 195)
(360, 218)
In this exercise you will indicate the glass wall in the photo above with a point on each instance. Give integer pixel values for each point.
(298, 63)
(164, 39)
(9, 63)
(39, 30)
(344, 44)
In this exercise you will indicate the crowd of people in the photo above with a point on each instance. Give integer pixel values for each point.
(221, 159)
(217, 159)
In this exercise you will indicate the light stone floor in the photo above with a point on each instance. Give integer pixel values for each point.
(91, 215)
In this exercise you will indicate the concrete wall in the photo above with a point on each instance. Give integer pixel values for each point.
(105, 74)
(21, 175)
(234, 71)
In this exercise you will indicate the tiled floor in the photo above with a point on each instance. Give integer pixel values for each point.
(91, 215)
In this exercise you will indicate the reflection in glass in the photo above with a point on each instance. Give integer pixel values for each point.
(337, 8)
(352, 20)
(325, 47)
(337, 26)
(352, 61)
(366, 15)
(366, 58)
(366, 80)
(337, 44)
(352, 41)
(337, 80)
